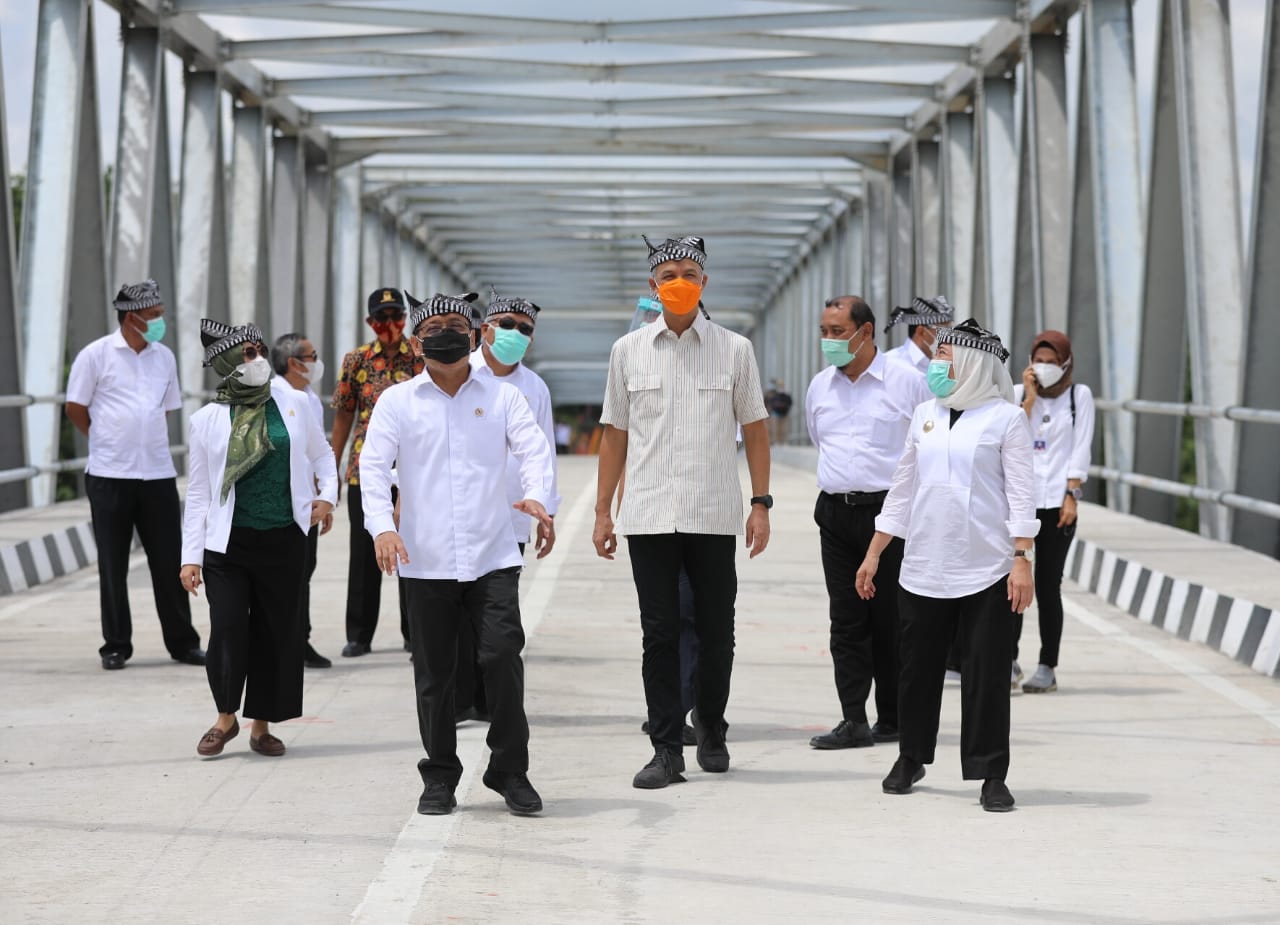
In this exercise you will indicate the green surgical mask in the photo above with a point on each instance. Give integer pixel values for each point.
(837, 351)
(509, 346)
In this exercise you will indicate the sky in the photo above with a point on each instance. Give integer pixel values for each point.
(18, 40)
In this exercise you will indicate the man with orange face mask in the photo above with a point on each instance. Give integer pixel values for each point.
(367, 372)
(677, 390)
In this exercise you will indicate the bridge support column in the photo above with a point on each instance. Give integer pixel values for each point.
(250, 279)
(288, 191)
(12, 450)
(959, 211)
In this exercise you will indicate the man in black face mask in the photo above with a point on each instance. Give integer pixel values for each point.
(449, 432)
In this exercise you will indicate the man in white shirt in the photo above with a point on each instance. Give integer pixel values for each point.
(922, 318)
(858, 410)
(119, 393)
(297, 365)
(449, 432)
(677, 390)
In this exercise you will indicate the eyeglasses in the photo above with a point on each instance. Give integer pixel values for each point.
(457, 327)
(307, 357)
(253, 352)
(388, 314)
(509, 324)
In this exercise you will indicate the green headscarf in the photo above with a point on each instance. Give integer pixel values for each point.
(249, 442)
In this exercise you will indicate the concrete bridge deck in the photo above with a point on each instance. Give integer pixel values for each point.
(1146, 786)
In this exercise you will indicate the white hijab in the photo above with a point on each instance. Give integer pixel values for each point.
(980, 377)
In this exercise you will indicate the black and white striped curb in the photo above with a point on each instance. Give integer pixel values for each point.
(1248, 632)
(35, 561)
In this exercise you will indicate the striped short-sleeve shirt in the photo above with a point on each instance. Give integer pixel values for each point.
(680, 399)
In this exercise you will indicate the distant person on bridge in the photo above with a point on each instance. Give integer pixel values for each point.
(779, 402)
(297, 365)
(963, 498)
(367, 372)
(676, 391)
(449, 433)
(858, 410)
(923, 317)
(256, 455)
(1061, 415)
(120, 390)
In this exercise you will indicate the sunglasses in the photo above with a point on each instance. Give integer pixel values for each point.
(434, 329)
(509, 324)
(386, 315)
(252, 352)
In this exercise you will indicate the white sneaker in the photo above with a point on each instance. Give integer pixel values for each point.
(1015, 675)
(1042, 682)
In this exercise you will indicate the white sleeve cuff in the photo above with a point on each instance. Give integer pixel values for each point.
(378, 524)
(886, 524)
(1022, 528)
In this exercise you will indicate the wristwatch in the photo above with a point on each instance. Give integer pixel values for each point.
(766, 500)
(1076, 493)
(1024, 554)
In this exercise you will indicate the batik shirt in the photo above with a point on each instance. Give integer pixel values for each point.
(367, 372)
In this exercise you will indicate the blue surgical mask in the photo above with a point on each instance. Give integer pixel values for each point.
(939, 377)
(509, 346)
(154, 331)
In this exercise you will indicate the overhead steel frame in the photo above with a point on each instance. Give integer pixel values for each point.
(12, 452)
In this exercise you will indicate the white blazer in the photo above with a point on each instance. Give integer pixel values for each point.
(206, 523)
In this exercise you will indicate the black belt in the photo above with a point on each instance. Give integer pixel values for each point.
(857, 498)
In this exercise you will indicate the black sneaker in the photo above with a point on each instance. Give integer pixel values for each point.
(437, 800)
(906, 773)
(884, 732)
(996, 797)
(688, 736)
(521, 798)
(313, 659)
(664, 768)
(713, 755)
(847, 734)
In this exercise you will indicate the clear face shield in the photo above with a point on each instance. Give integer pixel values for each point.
(647, 311)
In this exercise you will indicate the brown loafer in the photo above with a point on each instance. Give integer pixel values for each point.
(267, 744)
(211, 742)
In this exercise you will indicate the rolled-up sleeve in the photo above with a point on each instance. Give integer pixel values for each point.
(1082, 435)
(1019, 477)
(748, 398)
(528, 443)
(381, 444)
(895, 514)
(616, 411)
(195, 510)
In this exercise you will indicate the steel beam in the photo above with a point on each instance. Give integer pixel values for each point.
(875, 265)
(346, 266)
(997, 202)
(901, 241)
(288, 193)
(249, 268)
(926, 200)
(959, 208)
(13, 450)
(316, 318)
(1258, 476)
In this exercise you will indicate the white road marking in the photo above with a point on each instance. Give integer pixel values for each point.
(1259, 706)
(394, 894)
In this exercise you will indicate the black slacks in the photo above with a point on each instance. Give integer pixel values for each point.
(469, 687)
(117, 507)
(656, 561)
(255, 633)
(364, 578)
(928, 625)
(1052, 543)
(308, 569)
(864, 634)
(439, 610)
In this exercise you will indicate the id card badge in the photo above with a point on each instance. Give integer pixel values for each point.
(1041, 446)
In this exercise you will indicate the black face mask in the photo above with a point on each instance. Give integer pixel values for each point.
(447, 346)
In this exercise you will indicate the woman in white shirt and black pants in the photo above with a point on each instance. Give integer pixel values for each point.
(1061, 415)
(962, 499)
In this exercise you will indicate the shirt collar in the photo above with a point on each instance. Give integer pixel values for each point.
(423, 380)
(118, 341)
(700, 325)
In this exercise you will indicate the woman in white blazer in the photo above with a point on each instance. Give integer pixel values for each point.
(962, 499)
(254, 460)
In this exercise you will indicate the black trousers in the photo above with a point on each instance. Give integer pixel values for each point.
(255, 631)
(469, 688)
(1052, 543)
(928, 625)
(439, 610)
(864, 634)
(364, 578)
(118, 506)
(308, 569)
(688, 645)
(656, 561)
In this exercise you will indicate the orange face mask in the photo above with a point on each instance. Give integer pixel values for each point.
(679, 296)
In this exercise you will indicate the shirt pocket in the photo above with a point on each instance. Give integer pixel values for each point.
(715, 393)
(889, 436)
(644, 394)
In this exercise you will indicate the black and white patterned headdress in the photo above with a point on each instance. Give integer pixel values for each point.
(134, 297)
(971, 334)
(440, 304)
(218, 337)
(502, 304)
(923, 311)
(690, 247)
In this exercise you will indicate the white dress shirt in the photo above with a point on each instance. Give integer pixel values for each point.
(913, 356)
(127, 393)
(536, 393)
(1061, 449)
(680, 399)
(860, 427)
(960, 496)
(206, 522)
(455, 520)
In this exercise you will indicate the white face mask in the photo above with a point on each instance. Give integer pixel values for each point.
(255, 372)
(1047, 374)
(315, 371)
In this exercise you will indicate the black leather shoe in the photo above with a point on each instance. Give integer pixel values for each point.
(313, 659)
(713, 755)
(664, 768)
(884, 732)
(847, 734)
(191, 657)
(436, 800)
(521, 798)
(355, 649)
(689, 736)
(905, 774)
(113, 661)
(996, 797)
